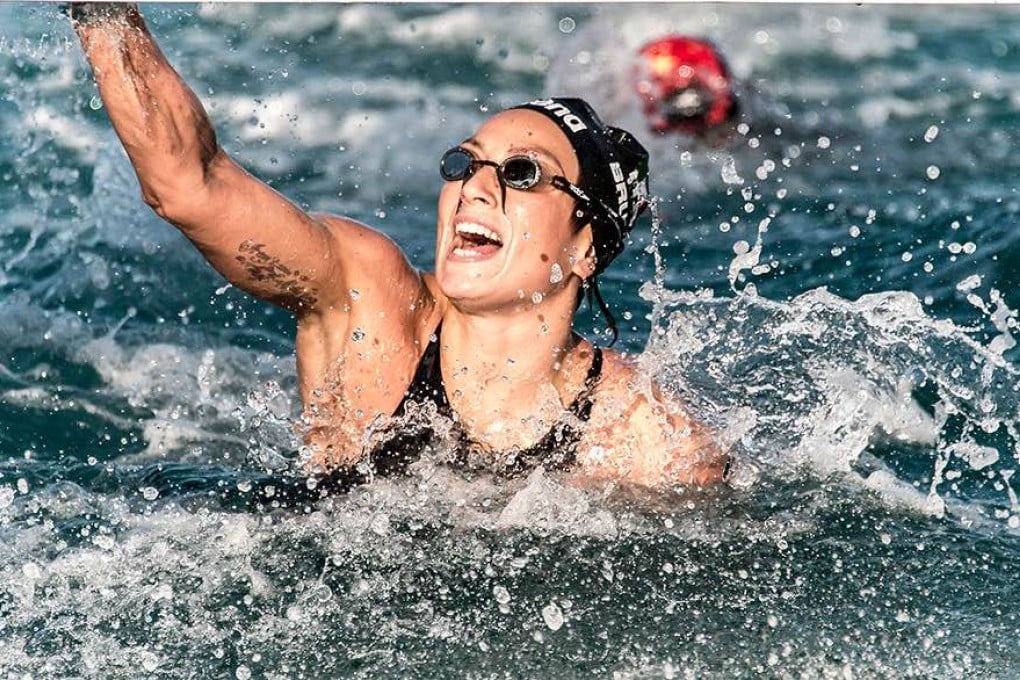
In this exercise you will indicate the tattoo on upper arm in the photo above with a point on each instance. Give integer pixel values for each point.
(264, 267)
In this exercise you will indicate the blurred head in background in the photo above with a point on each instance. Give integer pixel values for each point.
(684, 85)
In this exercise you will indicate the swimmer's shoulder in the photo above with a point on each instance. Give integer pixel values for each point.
(363, 254)
(641, 433)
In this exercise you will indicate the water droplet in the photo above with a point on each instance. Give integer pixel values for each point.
(380, 524)
(150, 662)
(244, 485)
(824, 142)
(501, 594)
(729, 172)
(150, 493)
(95, 103)
(931, 133)
(355, 293)
(553, 616)
(242, 673)
(357, 335)
(23, 486)
(567, 25)
(536, 297)
(358, 88)
(932, 172)
(555, 273)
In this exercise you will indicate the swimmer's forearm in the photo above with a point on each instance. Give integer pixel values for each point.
(159, 120)
(184, 175)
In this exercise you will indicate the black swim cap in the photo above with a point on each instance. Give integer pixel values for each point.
(614, 172)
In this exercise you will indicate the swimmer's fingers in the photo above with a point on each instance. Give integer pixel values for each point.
(94, 13)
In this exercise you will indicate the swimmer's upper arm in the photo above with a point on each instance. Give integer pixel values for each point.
(647, 437)
(266, 245)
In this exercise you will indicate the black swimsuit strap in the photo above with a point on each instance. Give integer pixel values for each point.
(581, 406)
(427, 382)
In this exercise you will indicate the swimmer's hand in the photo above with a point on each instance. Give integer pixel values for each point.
(92, 13)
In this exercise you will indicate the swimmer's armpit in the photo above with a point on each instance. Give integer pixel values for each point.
(290, 288)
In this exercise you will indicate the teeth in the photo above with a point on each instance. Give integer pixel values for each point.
(478, 230)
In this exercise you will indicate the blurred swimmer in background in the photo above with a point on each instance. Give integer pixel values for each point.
(685, 87)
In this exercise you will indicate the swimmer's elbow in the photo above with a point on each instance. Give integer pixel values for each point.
(172, 200)
(712, 471)
(700, 462)
(180, 192)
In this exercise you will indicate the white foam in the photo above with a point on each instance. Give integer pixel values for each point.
(545, 504)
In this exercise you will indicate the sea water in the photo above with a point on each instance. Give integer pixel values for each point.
(833, 288)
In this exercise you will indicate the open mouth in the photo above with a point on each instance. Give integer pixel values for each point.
(475, 241)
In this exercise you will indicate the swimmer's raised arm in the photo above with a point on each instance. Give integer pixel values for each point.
(256, 238)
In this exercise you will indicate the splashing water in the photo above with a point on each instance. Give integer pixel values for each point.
(851, 334)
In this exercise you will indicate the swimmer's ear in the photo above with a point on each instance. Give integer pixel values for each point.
(583, 255)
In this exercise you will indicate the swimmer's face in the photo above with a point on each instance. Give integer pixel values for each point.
(496, 254)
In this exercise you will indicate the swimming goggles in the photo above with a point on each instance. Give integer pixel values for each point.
(517, 172)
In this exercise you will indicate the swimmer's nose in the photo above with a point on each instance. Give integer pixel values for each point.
(482, 185)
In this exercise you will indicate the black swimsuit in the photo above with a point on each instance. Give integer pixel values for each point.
(556, 450)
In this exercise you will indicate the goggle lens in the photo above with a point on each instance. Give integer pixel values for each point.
(516, 172)
(520, 172)
(455, 165)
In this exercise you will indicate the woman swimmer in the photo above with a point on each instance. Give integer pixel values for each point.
(534, 206)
